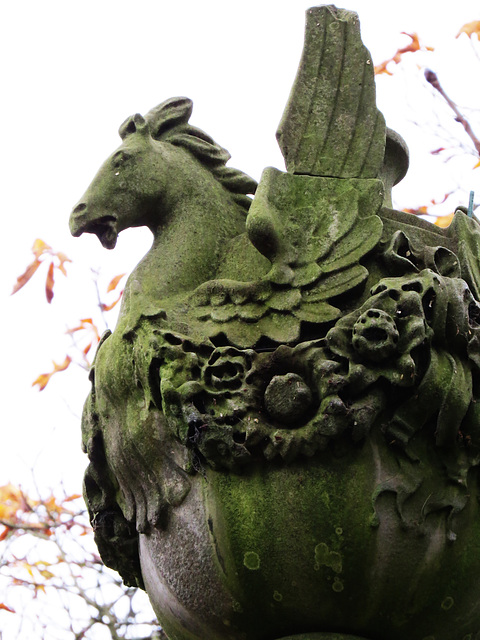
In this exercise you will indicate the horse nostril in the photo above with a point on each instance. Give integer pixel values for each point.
(80, 207)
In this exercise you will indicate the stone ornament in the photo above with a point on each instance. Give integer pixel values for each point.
(283, 429)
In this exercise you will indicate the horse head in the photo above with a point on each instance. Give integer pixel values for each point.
(134, 186)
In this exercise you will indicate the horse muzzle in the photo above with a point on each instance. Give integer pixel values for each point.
(104, 227)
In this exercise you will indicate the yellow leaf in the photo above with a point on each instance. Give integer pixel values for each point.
(477, 165)
(48, 575)
(444, 221)
(40, 247)
(470, 28)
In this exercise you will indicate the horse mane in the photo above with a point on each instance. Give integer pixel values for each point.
(169, 123)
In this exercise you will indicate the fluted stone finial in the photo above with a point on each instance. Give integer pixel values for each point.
(331, 125)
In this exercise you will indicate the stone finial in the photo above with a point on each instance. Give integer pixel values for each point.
(331, 125)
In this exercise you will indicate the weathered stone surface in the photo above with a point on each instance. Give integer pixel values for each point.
(284, 428)
(331, 125)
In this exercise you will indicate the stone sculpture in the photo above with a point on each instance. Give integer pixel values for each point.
(283, 429)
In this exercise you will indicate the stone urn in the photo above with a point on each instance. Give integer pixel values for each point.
(283, 429)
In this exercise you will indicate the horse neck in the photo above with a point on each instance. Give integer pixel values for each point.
(188, 244)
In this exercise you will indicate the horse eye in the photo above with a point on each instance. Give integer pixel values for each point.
(119, 158)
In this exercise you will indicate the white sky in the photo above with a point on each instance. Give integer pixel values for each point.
(73, 71)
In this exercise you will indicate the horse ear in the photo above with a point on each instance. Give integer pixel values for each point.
(169, 114)
(133, 124)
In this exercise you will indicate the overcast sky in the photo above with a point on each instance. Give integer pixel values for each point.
(73, 71)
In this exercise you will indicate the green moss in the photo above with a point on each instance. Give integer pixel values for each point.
(327, 558)
(251, 560)
(337, 585)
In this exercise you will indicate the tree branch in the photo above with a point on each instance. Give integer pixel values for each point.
(432, 78)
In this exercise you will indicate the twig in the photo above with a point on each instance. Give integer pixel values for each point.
(432, 78)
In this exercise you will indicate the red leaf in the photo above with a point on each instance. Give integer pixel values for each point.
(49, 283)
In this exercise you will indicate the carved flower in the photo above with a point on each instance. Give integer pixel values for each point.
(375, 335)
(227, 367)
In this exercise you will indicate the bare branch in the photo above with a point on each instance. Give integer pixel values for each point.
(432, 78)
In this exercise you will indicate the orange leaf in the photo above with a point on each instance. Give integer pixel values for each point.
(444, 199)
(470, 28)
(4, 533)
(114, 282)
(74, 496)
(382, 68)
(86, 324)
(444, 221)
(437, 151)
(87, 349)
(411, 47)
(49, 283)
(44, 378)
(109, 307)
(5, 608)
(25, 277)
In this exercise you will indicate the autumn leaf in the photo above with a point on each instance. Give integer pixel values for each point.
(40, 250)
(114, 282)
(62, 259)
(49, 283)
(5, 608)
(25, 277)
(40, 247)
(86, 324)
(444, 199)
(109, 307)
(44, 378)
(444, 221)
(413, 46)
(477, 165)
(420, 211)
(74, 496)
(12, 500)
(470, 28)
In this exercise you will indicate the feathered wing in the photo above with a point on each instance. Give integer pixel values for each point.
(315, 233)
